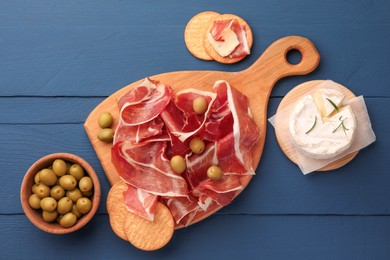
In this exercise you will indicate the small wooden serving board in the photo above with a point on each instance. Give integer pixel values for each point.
(256, 82)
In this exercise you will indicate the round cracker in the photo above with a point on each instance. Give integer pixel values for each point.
(147, 235)
(115, 193)
(116, 208)
(193, 34)
(210, 49)
(117, 216)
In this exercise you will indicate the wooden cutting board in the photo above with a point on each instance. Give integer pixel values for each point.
(256, 82)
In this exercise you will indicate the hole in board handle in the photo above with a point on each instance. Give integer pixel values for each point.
(294, 56)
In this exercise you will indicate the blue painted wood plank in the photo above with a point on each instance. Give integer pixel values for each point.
(47, 110)
(90, 49)
(219, 237)
(50, 50)
(279, 187)
(90, 13)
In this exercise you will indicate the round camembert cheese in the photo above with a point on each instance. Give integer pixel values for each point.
(320, 127)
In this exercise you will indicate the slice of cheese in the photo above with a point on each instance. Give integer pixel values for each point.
(324, 99)
(317, 136)
(228, 43)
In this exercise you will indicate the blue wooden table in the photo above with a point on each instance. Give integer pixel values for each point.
(59, 59)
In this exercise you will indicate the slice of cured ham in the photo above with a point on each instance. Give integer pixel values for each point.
(183, 208)
(145, 166)
(143, 145)
(235, 148)
(180, 118)
(228, 38)
(140, 202)
(222, 192)
(141, 132)
(139, 112)
(144, 103)
(198, 164)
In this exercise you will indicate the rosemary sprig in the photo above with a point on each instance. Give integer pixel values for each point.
(333, 104)
(341, 125)
(314, 124)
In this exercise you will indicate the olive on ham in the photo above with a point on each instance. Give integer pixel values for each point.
(178, 164)
(199, 105)
(214, 173)
(197, 145)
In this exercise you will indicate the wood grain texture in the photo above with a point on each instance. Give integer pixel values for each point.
(58, 60)
(51, 50)
(256, 83)
(46, 110)
(265, 237)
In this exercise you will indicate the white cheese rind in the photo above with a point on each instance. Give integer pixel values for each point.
(328, 138)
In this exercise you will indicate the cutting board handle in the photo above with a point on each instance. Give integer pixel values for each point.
(273, 65)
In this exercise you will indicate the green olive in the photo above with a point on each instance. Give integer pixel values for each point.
(47, 177)
(57, 192)
(34, 188)
(49, 216)
(84, 205)
(214, 173)
(64, 205)
(106, 135)
(85, 184)
(74, 194)
(34, 201)
(76, 171)
(42, 191)
(178, 164)
(76, 211)
(197, 145)
(59, 167)
(68, 220)
(199, 105)
(37, 181)
(68, 182)
(48, 204)
(105, 120)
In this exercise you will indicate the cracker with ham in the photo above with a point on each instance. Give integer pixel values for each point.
(142, 233)
(194, 31)
(231, 32)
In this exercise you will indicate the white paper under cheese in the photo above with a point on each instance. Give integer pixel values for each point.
(364, 134)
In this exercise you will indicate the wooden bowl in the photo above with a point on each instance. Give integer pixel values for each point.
(35, 215)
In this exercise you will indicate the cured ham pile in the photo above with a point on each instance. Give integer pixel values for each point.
(156, 124)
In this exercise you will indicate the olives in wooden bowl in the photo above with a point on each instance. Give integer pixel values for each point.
(60, 193)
